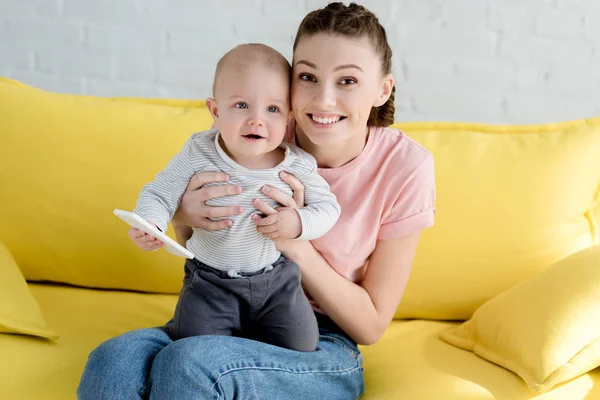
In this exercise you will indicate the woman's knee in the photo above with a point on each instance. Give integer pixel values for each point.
(203, 352)
(101, 363)
(119, 366)
(189, 368)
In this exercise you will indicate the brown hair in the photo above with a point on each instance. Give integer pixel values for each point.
(357, 22)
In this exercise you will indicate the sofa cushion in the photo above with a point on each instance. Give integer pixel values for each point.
(66, 162)
(511, 201)
(19, 311)
(545, 329)
(36, 369)
(410, 362)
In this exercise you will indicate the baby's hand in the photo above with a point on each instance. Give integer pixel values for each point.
(145, 241)
(283, 224)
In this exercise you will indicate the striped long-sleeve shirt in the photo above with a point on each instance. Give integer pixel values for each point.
(239, 248)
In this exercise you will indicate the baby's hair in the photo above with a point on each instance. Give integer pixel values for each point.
(354, 21)
(253, 53)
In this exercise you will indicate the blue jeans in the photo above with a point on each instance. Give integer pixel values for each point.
(147, 364)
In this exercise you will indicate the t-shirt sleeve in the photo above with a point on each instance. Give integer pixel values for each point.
(414, 208)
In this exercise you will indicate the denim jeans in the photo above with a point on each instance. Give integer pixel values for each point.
(147, 364)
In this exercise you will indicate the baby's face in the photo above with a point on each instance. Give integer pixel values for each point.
(253, 109)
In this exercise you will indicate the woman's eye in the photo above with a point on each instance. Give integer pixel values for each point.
(307, 78)
(273, 109)
(241, 105)
(348, 81)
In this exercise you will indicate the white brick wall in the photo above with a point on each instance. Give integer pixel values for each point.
(498, 61)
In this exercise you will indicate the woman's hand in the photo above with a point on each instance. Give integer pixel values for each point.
(194, 212)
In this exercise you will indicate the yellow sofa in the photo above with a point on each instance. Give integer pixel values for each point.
(512, 200)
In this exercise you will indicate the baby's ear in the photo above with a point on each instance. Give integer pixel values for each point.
(211, 104)
(290, 116)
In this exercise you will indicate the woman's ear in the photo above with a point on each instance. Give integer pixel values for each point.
(212, 107)
(387, 84)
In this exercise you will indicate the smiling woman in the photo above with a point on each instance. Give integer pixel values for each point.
(343, 102)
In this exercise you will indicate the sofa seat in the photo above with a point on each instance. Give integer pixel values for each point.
(410, 362)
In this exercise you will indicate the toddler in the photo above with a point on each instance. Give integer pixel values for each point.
(239, 283)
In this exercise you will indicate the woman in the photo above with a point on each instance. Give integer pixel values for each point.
(342, 98)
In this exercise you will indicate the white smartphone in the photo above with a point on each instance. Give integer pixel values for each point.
(138, 222)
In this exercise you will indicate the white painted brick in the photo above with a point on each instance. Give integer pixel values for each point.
(419, 72)
(410, 116)
(544, 50)
(283, 9)
(560, 23)
(575, 80)
(592, 27)
(185, 92)
(523, 61)
(411, 13)
(64, 61)
(517, 20)
(49, 82)
(453, 105)
(15, 57)
(3, 27)
(543, 109)
(184, 73)
(188, 14)
(116, 88)
(486, 76)
(44, 33)
(315, 4)
(125, 40)
(531, 80)
(458, 14)
(186, 43)
(134, 68)
(448, 44)
(32, 8)
(403, 102)
(126, 12)
(580, 5)
(279, 29)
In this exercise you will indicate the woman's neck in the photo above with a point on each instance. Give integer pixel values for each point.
(333, 156)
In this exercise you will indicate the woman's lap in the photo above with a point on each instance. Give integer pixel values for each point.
(147, 362)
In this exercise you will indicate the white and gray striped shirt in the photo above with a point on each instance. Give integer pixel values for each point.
(240, 248)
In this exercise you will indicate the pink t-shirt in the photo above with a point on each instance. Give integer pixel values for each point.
(385, 192)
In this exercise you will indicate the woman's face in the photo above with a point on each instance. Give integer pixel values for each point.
(335, 82)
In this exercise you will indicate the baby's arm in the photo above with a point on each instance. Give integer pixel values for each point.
(313, 220)
(159, 199)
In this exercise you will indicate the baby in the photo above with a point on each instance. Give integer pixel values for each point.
(239, 283)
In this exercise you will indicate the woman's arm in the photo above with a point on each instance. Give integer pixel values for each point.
(363, 311)
(193, 211)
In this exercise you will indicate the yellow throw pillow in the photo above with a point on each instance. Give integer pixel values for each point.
(545, 329)
(66, 162)
(511, 200)
(19, 311)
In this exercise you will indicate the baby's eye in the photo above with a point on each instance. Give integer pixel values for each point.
(348, 81)
(273, 109)
(307, 78)
(242, 105)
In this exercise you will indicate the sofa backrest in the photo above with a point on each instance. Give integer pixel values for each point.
(511, 199)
